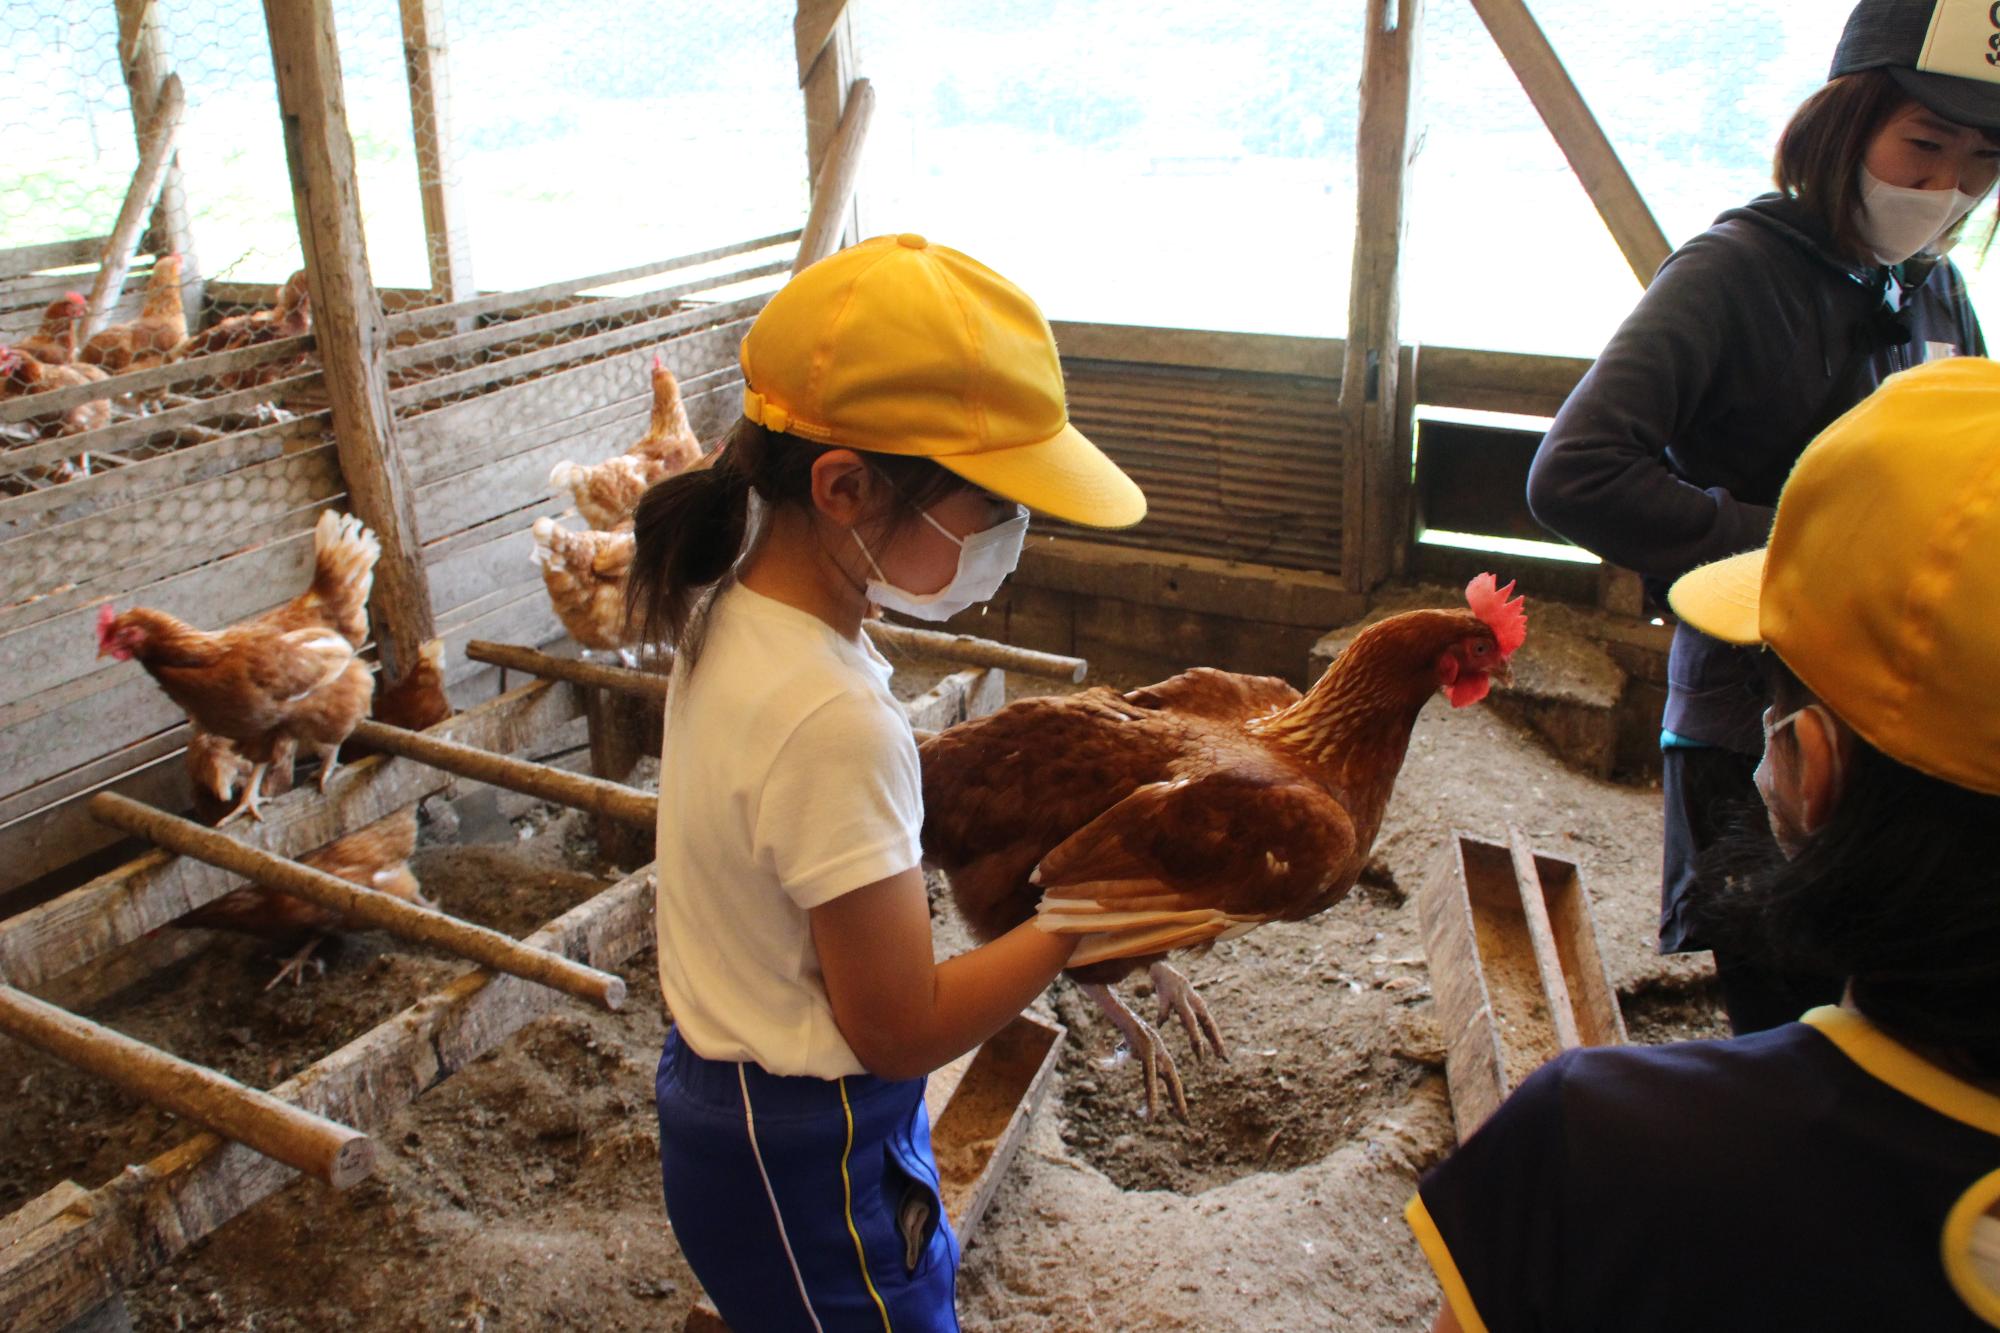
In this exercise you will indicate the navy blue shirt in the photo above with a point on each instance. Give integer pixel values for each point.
(1800, 1178)
(1672, 449)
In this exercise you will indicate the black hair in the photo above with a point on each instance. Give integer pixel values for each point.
(1898, 891)
(690, 529)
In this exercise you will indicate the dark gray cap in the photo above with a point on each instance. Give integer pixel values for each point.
(1943, 53)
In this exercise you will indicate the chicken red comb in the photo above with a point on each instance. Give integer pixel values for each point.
(75, 298)
(105, 615)
(658, 364)
(1507, 619)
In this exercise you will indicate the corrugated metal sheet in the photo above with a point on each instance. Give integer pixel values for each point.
(1235, 464)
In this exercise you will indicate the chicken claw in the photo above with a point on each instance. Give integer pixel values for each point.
(295, 966)
(253, 790)
(1179, 998)
(1144, 1041)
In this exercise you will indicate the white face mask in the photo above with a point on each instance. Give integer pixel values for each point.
(1897, 222)
(985, 559)
(1790, 837)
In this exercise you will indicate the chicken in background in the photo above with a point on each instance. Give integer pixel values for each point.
(289, 317)
(142, 343)
(21, 375)
(1194, 810)
(376, 857)
(417, 701)
(54, 343)
(606, 493)
(291, 674)
(585, 574)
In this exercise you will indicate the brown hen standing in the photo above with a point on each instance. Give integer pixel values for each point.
(21, 375)
(606, 493)
(1173, 816)
(290, 674)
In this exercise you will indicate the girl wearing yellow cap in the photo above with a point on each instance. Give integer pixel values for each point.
(1751, 338)
(1843, 1171)
(903, 406)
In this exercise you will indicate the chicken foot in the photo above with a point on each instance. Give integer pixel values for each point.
(253, 791)
(295, 966)
(1144, 1041)
(1179, 998)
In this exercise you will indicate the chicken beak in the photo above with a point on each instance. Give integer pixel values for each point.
(1502, 674)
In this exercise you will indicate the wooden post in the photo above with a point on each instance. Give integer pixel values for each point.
(624, 728)
(550, 784)
(828, 68)
(1578, 134)
(347, 319)
(1369, 395)
(365, 907)
(430, 118)
(154, 155)
(977, 652)
(306, 1142)
(833, 187)
(142, 53)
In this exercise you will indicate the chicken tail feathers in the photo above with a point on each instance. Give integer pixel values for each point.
(344, 556)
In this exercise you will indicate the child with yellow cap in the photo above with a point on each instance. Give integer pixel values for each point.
(903, 408)
(1841, 1172)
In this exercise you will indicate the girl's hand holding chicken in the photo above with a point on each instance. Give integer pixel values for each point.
(903, 406)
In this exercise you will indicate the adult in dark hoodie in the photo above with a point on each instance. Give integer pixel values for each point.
(1672, 449)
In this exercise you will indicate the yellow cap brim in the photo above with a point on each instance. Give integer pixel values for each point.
(1064, 476)
(1721, 600)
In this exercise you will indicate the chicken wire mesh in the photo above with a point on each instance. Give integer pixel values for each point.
(523, 151)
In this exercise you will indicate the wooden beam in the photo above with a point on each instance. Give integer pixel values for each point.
(366, 908)
(823, 32)
(66, 1253)
(347, 318)
(1542, 935)
(833, 187)
(154, 153)
(550, 784)
(1578, 134)
(1368, 391)
(20, 260)
(141, 53)
(446, 242)
(301, 1140)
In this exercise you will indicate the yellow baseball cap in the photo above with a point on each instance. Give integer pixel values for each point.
(898, 346)
(1881, 586)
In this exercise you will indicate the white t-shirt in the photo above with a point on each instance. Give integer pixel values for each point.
(788, 777)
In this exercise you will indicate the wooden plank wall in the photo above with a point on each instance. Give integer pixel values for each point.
(219, 530)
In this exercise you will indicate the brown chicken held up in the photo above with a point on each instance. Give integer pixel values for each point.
(1173, 816)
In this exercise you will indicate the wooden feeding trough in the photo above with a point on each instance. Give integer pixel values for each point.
(1514, 962)
(980, 1105)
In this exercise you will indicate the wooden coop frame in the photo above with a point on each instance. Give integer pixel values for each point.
(438, 465)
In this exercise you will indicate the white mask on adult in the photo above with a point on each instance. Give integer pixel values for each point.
(1789, 832)
(1897, 222)
(985, 559)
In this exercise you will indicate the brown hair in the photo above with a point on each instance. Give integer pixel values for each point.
(690, 529)
(1819, 155)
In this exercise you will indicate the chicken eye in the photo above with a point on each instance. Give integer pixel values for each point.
(1481, 649)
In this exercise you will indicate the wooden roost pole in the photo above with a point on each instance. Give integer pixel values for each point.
(154, 154)
(364, 907)
(824, 39)
(550, 784)
(306, 1142)
(347, 319)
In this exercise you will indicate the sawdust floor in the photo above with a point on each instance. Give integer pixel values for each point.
(523, 1193)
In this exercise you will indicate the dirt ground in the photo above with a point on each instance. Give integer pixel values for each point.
(523, 1193)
